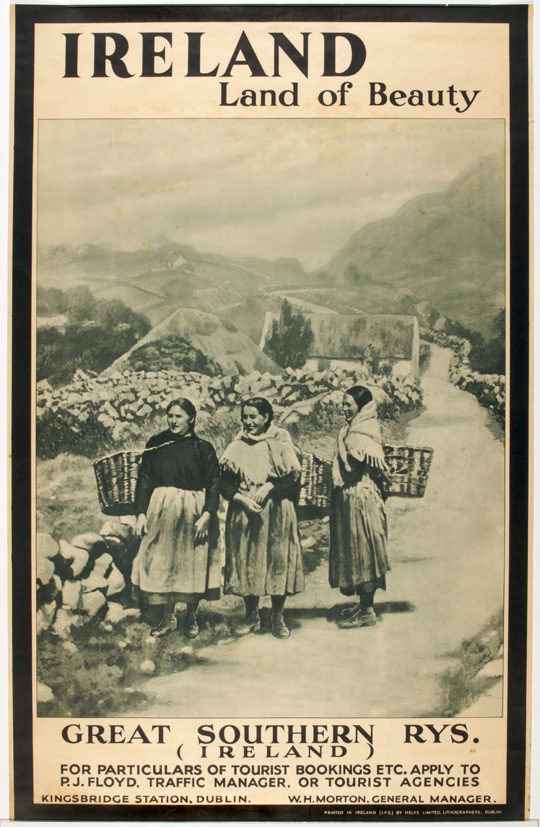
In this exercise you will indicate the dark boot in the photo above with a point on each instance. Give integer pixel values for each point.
(167, 623)
(279, 627)
(252, 621)
(358, 619)
(348, 611)
(192, 627)
(362, 615)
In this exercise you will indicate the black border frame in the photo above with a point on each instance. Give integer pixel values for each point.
(517, 17)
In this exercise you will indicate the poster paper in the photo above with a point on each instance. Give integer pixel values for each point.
(223, 204)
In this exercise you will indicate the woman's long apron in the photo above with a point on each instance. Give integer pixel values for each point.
(169, 562)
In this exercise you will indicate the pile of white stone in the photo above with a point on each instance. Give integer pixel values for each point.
(83, 579)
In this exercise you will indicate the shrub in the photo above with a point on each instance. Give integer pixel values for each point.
(95, 334)
(404, 397)
(425, 355)
(50, 302)
(171, 351)
(290, 339)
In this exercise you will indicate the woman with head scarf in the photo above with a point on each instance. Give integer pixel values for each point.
(260, 476)
(358, 529)
(176, 500)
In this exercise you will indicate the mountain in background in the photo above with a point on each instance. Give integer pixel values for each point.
(447, 248)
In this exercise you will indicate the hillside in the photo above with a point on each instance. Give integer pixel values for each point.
(166, 277)
(193, 340)
(447, 248)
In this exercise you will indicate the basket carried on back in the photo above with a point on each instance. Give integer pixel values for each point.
(315, 482)
(407, 475)
(116, 477)
(408, 470)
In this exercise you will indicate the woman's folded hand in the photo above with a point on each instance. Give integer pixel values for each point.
(261, 495)
(248, 503)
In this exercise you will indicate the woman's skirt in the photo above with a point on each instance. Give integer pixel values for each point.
(169, 563)
(358, 539)
(263, 552)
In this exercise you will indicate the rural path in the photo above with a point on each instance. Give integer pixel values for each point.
(446, 552)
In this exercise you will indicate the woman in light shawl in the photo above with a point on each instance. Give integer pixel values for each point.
(358, 530)
(260, 476)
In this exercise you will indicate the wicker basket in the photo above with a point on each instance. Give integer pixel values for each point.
(408, 475)
(316, 482)
(116, 477)
(409, 469)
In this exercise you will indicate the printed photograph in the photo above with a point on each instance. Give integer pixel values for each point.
(270, 417)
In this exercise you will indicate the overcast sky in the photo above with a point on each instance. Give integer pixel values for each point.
(267, 188)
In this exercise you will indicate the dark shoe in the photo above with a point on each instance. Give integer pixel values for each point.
(192, 627)
(252, 623)
(349, 610)
(279, 629)
(358, 619)
(166, 624)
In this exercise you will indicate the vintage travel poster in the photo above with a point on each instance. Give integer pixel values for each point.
(270, 412)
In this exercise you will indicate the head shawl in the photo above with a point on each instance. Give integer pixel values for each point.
(361, 439)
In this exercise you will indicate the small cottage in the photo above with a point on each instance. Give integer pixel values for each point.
(343, 341)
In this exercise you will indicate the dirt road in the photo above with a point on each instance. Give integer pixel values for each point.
(447, 580)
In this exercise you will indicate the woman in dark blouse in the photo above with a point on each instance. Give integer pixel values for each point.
(176, 502)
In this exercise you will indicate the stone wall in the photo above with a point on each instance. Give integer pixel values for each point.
(96, 414)
(83, 579)
(489, 389)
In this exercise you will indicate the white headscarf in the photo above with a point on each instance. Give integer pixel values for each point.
(362, 440)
